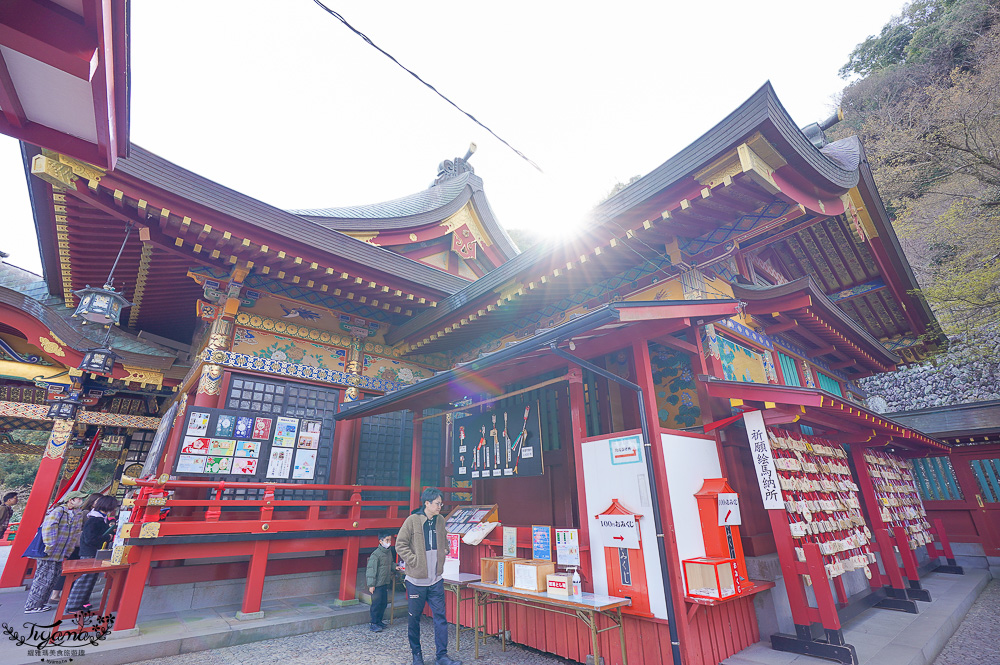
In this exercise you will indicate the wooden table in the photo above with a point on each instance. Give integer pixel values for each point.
(455, 585)
(585, 607)
(111, 595)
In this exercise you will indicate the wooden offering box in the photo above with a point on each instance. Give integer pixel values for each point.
(497, 569)
(711, 577)
(533, 575)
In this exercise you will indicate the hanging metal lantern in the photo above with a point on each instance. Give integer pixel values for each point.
(99, 361)
(102, 306)
(65, 409)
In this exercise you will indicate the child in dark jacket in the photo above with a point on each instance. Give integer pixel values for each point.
(378, 574)
(95, 535)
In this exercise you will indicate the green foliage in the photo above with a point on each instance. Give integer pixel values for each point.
(934, 32)
(928, 113)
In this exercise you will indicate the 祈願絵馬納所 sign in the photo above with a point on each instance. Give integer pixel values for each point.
(763, 461)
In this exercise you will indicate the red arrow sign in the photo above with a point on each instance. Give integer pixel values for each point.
(618, 537)
(728, 513)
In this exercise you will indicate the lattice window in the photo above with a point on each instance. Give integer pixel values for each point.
(789, 370)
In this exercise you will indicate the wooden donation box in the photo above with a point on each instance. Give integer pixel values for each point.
(623, 558)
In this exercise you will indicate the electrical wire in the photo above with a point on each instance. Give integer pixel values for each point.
(412, 73)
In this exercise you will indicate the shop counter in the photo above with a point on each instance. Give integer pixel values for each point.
(585, 607)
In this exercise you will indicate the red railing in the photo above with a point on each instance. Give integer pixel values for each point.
(257, 518)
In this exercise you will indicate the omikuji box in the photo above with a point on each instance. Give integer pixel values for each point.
(533, 575)
(559, 584)
(711, 577)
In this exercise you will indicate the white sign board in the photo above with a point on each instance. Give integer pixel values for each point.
(729, 509)
(763, 462)
(626, 450)
(619, 530)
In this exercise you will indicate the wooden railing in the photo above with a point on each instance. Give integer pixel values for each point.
(251, 527)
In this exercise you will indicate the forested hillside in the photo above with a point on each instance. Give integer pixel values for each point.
(925, 99)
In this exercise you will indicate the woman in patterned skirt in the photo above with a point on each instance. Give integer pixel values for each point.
(60, 534)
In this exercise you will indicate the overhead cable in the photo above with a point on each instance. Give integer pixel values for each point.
(412, 73)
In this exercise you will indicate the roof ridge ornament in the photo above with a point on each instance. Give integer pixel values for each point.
(449, 169)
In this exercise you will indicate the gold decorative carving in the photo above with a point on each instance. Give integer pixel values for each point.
(467, 217)
(716, 172)
(143, 376)
(210, 382)
(84, 170)
(413, 237)
(61, 431)
(150, 530)
(157, 501)
(51, 347)
(757, 169)
(52, 171)
(127, 530)
(363, 237)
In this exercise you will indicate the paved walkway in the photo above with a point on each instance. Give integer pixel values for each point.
(977, 640)
(357, 645)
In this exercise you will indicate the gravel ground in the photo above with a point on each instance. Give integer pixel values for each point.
(977, 640)
(358, 645)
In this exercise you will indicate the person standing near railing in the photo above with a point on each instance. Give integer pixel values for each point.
(7, 511)
(378, 574)
(60, 535)
(418, 544)
(95, 535)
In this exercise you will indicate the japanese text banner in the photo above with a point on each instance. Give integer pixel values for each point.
(763, 462)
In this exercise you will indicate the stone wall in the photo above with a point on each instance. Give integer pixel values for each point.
(963, 374)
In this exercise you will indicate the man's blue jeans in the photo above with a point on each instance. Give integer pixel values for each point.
(433, 595)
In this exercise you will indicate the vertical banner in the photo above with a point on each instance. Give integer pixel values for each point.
(763, 462)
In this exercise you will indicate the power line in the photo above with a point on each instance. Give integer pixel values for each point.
(417, 76)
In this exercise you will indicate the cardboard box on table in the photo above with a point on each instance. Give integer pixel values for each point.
(533, 575)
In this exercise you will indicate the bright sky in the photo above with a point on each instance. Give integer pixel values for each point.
(280, 101)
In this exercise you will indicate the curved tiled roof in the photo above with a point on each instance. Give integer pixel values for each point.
(431, 199)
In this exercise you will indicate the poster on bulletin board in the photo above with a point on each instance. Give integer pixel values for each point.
(541, 543)
(568, 547)
(510, 541)
(500, 443)
(221, 442)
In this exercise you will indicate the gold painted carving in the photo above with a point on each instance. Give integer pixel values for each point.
(143, 376)
(467, 217)
(61, 431)
(51, 347)
(757, 169)
(363, 237)
(150, 530)
(211, 380)
(52, 171)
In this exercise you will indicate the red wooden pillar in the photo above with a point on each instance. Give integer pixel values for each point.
(644, 378)
(349, 563)
(578, 432)
(254, 589)
(38, 502)
(415, 455)
(135, 582)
